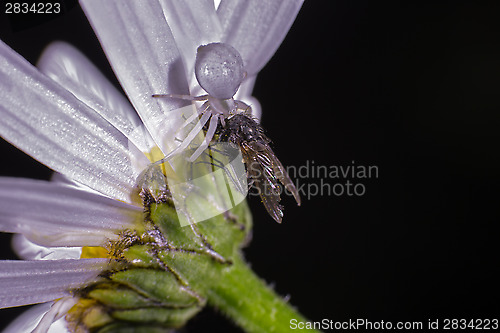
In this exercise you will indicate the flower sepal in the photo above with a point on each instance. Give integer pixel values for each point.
(150, 285)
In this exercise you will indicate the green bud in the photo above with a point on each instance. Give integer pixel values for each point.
(162, 274)
(149, 285)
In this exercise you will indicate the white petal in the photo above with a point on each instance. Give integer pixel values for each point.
(57, 311)
(29, 282)
(256, 28)
(193, 23)
(72, 70)
(142, 52)
(29, 320)
(59, 178)
(53, 214)
(59, 326)
(27, 250)
(246, 88)
(245, 94)
(256, 108)
(53, 126)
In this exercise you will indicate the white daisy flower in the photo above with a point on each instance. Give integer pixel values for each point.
(69, 117)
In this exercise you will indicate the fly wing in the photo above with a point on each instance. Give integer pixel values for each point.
(260, 169)
(282, 175)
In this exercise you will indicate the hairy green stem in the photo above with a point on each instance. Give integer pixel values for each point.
(228, 284)
(253, 305)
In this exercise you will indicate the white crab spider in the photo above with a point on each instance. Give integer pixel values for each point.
(220, 71)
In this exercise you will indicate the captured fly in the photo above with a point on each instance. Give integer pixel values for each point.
(264, 170)
(219, 70)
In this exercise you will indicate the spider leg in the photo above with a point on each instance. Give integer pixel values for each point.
(187, 140)
(212, 127)
(184, 97)
(188, 121)
(250, 183)
(228, 168)
(241, 106)
(194, 132)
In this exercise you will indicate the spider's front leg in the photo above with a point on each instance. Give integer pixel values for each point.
(183, 97)
(209, 135)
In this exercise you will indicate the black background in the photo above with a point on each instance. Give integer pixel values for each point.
(410, 87)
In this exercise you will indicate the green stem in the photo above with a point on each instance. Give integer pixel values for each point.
(253, 305)
(230, 286)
